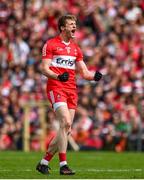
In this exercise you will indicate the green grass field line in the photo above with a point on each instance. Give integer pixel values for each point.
(88, 165)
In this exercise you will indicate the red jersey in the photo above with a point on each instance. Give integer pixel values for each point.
(64, 57)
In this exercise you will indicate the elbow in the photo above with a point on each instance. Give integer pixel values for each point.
(43, 70)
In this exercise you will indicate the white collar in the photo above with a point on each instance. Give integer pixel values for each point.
(66, 43)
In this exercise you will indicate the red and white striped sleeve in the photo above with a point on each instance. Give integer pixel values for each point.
(47, 51)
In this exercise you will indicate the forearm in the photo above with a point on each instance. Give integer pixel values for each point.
(92, 76)
(88, 75)
(49, 73)
(85, 73)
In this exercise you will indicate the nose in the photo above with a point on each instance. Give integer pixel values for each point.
(74, 26)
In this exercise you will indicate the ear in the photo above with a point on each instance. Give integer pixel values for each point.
(62, 28)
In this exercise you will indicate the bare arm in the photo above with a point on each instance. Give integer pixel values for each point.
(85, 73)
(46, 70)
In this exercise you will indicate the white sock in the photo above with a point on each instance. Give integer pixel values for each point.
(45, 162)
(62, 163)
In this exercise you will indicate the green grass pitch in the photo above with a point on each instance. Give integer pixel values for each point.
(88, 165)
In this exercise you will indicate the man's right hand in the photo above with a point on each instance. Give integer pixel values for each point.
(63, 77)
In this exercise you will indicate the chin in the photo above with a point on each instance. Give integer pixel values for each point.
(73, 36)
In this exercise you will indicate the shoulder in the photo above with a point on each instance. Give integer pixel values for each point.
(51, 40)
(50, 43)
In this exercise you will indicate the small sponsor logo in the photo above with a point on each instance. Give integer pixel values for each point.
(59, 49)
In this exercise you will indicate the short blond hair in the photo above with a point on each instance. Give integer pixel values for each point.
(62, 20)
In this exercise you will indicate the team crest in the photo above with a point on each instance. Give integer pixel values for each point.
(68, 49)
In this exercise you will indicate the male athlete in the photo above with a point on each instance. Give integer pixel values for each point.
(61, 55)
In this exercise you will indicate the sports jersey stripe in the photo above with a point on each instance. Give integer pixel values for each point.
(52, 96)
(67, 62)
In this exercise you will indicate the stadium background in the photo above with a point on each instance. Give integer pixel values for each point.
(111, 35)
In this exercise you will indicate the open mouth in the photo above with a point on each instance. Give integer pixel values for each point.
(73, 31)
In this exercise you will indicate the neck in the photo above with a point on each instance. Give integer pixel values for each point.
(64, 38)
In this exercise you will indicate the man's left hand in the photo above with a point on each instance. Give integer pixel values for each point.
(97, 76)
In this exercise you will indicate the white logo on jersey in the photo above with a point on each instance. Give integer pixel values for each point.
(59, 49)
(64, 62)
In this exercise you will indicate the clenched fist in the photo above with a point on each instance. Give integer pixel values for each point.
(63, 77)
(97, 76)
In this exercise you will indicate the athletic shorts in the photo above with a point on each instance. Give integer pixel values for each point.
(62, 97)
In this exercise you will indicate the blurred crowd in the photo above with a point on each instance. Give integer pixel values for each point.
(111, 35)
